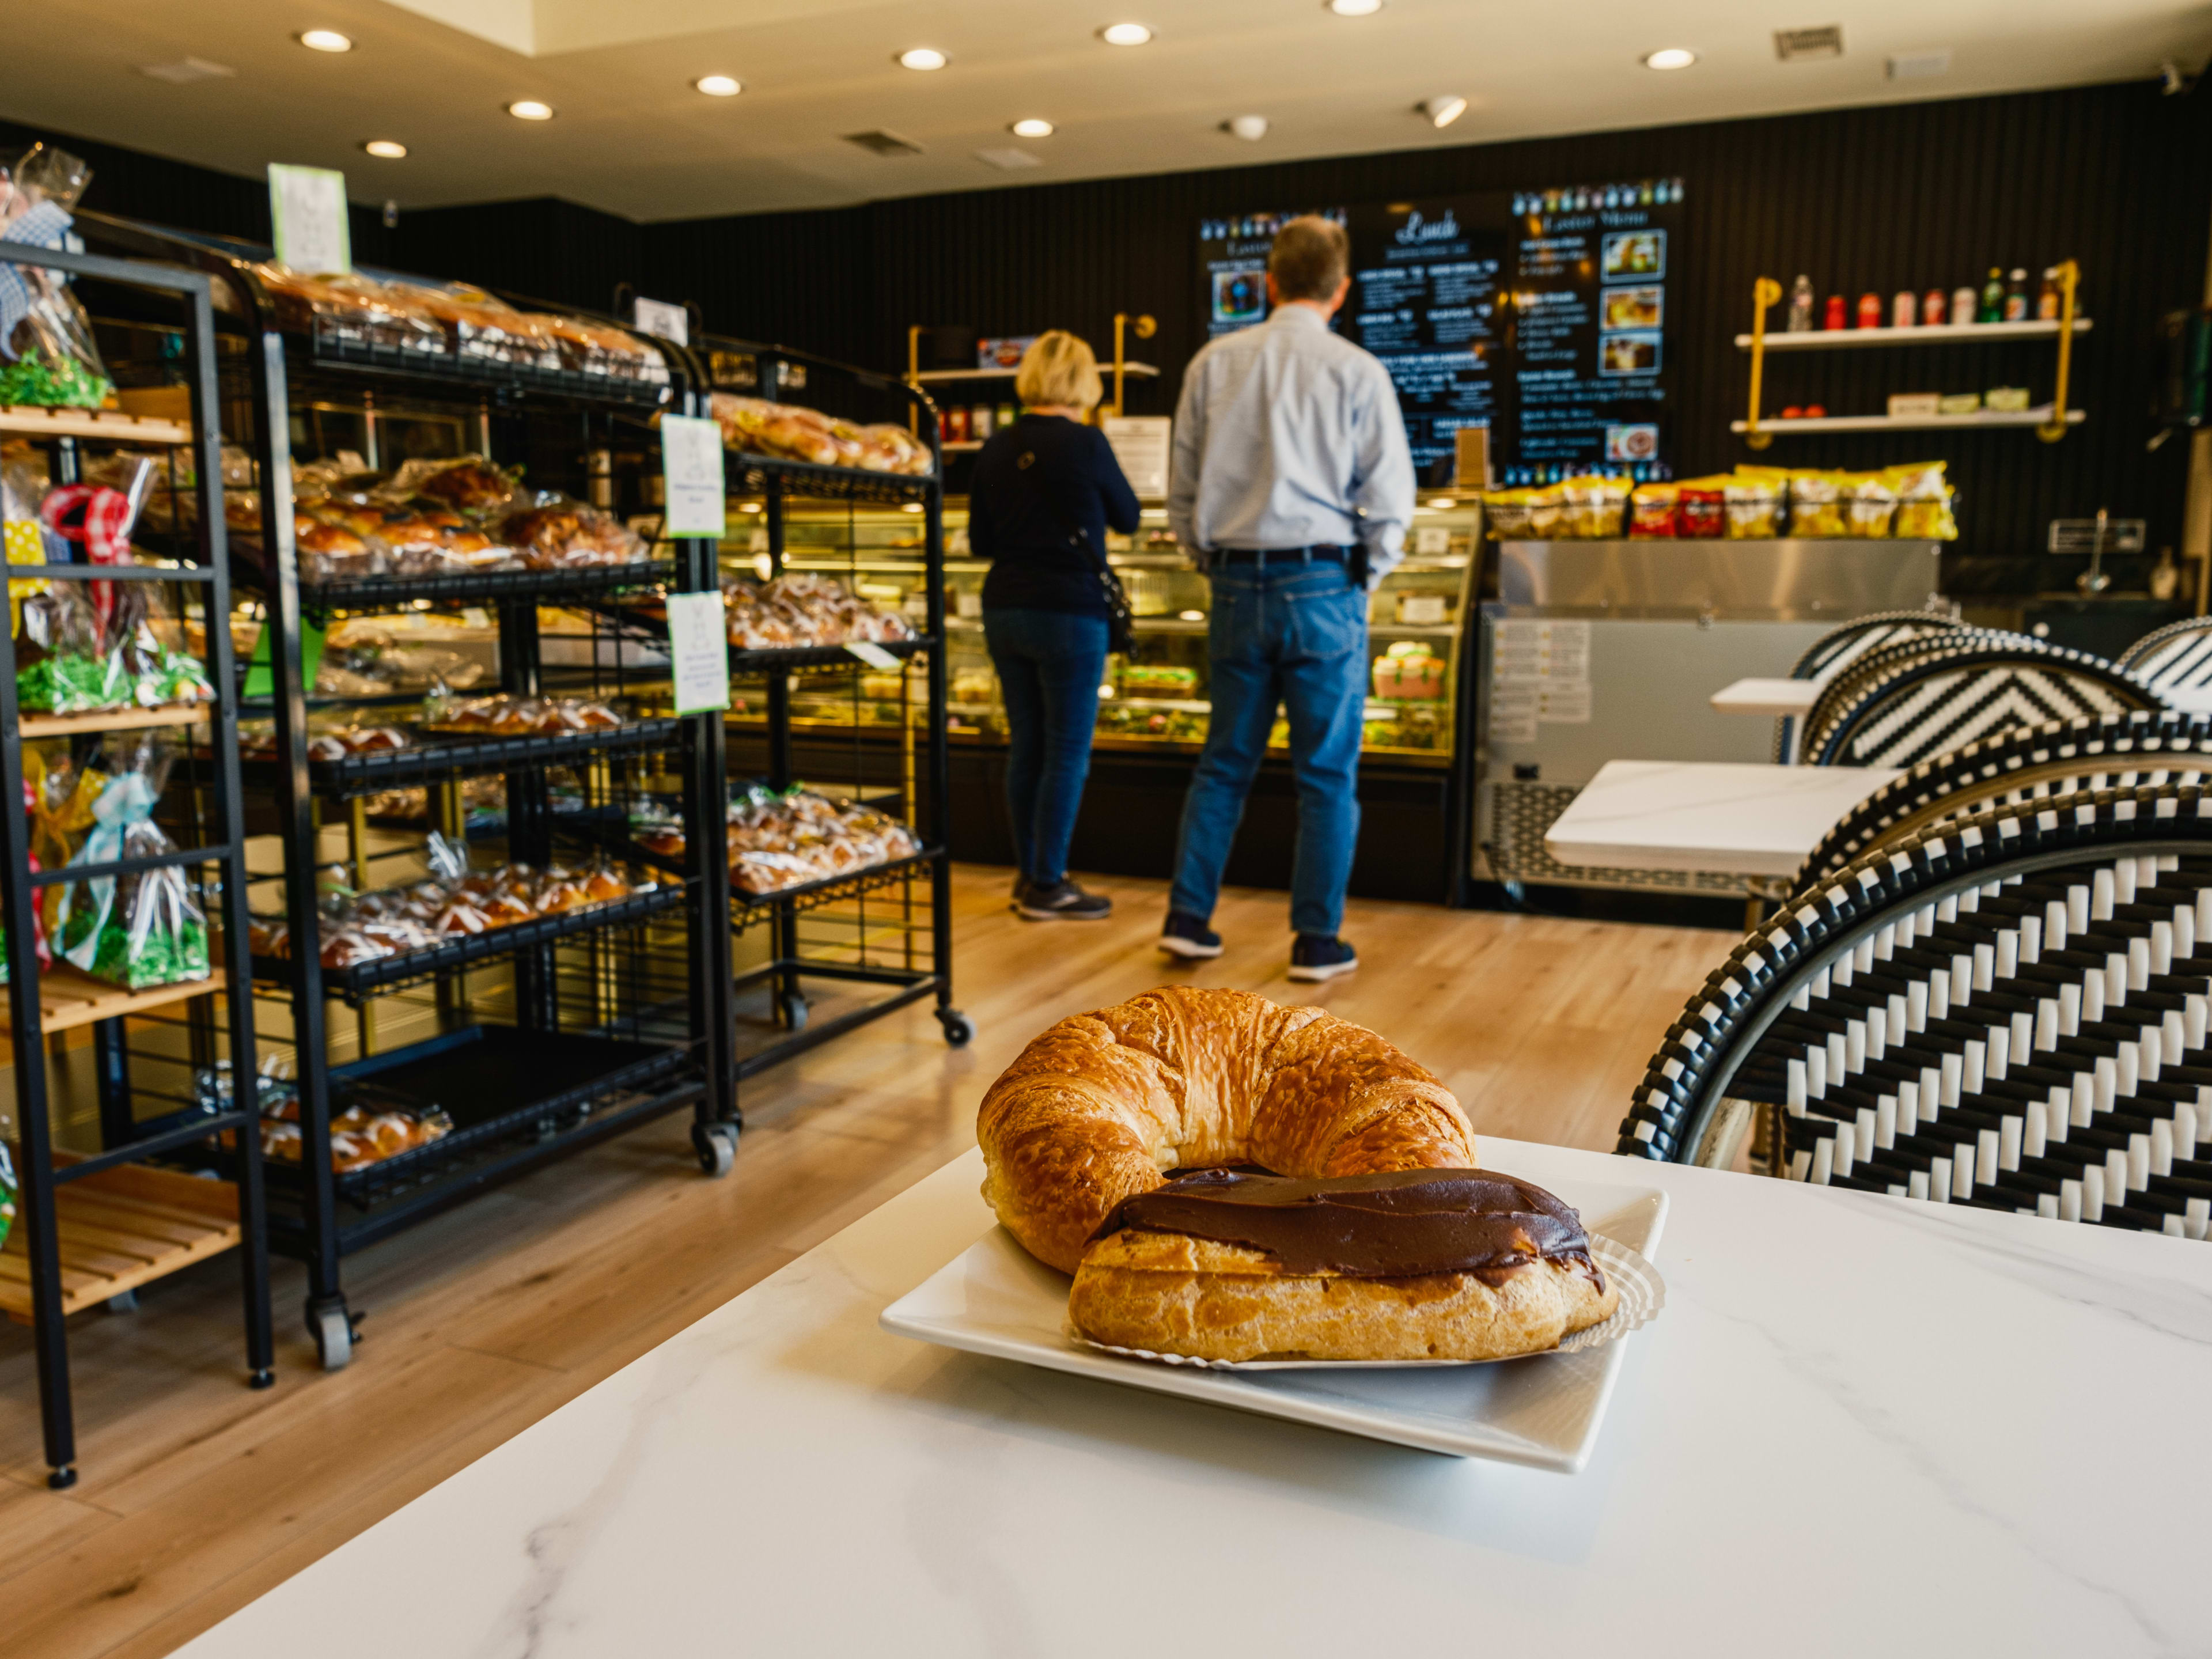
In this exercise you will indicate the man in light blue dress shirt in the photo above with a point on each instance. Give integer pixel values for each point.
(1292, 489)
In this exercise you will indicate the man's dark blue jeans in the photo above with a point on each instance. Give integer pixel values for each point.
(1293, 634)
(1050, 664)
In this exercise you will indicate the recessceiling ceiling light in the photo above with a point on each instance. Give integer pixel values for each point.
(923, 57)
(1443, 112)
(390, 150)
(1670, 57)
(323, 40)
(1443, 503)
(1031, 126)
(1250, 127)
(718, 86)
(1125, 34)
(529, 109)
(1355, 7)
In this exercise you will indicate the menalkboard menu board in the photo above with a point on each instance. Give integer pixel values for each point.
(1540, 314)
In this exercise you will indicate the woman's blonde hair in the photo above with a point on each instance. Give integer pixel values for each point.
(1059, 368)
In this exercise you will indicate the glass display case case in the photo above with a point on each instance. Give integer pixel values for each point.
(1154, 696)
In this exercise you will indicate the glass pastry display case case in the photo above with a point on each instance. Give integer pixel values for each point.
(1153, 703)
(1153, 699)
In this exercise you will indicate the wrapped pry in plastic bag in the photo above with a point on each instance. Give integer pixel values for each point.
(46, 353)
(144, 928)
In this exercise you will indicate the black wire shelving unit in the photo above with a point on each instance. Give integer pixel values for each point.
(95, 1227)
(536, 1040)
(876, 938)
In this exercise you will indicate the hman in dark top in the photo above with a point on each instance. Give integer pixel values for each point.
(1044, 493)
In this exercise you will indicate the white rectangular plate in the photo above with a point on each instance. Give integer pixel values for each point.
(996, 1298)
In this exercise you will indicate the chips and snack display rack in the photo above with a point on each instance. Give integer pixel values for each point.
(475, 1051)
(95, 1226)
(886, 921)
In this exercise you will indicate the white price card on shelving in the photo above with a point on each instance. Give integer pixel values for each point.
(691, 465)
(658, 317)
(699, 652)
(872, 654)
(308, 212)
(1141, 443)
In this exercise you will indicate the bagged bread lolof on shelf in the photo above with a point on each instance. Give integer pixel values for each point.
(784, 430)
(1701, 508)
(1869, 504)
(1652, 511)
(588, 347)
(141, 929)
(1754, 506)
(1505, 514)
(62, 665)
(47, 351)
(482, 326)
(1816, 505)
(349, 308)
(549, 531)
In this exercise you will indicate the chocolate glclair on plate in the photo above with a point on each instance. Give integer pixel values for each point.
(1406, 1264)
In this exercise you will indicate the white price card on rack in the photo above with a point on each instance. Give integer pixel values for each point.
(691, 465)
(307, 210)
(658, 317)
(872, 654)
(1140, 443)
(699, 652)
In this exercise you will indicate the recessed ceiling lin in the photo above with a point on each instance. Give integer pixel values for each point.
(633, 134)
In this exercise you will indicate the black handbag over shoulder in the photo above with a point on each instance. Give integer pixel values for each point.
(1120, 620)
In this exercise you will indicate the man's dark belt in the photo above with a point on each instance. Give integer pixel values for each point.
(1267, 555)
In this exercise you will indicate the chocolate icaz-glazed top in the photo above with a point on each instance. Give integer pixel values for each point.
(1398, 1224)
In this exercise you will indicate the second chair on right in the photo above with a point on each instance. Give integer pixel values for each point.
(2175, 658)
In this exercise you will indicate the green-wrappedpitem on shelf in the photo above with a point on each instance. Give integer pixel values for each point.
(141, 929)
(7, 1192)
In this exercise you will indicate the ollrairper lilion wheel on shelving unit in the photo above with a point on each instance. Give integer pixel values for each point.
(2009, 1011)
(2059, 757)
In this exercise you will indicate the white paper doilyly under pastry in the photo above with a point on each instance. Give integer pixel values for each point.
(1643, 1294)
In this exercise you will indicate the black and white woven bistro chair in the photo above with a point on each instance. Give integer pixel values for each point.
(1834, 652)
(2025, 763)
(1908, 702)
(2009, 1011)
(2176, 657)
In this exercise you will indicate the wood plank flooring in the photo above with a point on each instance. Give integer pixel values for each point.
(196, 1494)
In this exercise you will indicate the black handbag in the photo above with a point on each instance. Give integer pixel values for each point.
(1120, 629)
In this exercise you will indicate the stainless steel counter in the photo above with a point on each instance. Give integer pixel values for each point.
(1786, 580)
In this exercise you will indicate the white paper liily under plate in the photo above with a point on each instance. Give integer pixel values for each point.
(1544, 1410)
(1643, 1294)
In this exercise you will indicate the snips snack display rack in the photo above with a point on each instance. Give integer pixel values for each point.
(460, 975)
(125, 880)
(839, 869)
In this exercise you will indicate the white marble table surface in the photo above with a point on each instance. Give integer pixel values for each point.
(1733, 817)
(2188, 699)
(1862, 1425)
(1770, 697)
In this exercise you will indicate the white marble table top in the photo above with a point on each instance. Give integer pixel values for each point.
(2188, 699)
(1862, 1425)
(1770, 697)
(1733, 817)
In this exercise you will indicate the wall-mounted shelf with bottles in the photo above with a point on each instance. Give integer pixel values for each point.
(1839, 339)
(2050, 422)
(928, 376)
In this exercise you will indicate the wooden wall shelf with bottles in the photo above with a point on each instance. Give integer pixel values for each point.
(2050, 422)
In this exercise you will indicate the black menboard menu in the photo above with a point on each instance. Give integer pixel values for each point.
(1425, 300)
(1540, 314)
(1590, 330)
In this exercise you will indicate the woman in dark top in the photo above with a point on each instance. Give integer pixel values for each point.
(1045, 490)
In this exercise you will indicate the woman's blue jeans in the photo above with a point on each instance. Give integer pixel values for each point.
(1293, 636)
(1049, 664)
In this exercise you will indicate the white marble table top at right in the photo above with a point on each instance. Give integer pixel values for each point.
(1731, 817)
(1770, 697)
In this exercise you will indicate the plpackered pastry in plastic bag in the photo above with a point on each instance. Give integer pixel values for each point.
(1652, 510)
(47, 351)
(1816, 504)
(1924, 501)
(62, 665)
(1869, 504)
(467, 484)
(141, 929)
(1753, 505)
(349, 308)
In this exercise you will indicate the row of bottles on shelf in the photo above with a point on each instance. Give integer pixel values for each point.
(972, 425)
(2000, 299)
